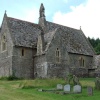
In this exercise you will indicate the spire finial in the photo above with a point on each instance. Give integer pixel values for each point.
(80, 27)
(5, 14)
(5, 11)
(42, 10)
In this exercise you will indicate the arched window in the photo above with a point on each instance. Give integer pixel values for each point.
(3, 42)
(57, 55)
(81, 62)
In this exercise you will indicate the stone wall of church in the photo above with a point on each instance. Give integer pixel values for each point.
(57, 70)
(74, 60)
(47, 69)
(5, 64)
(57, 66)
(72, 67)
(5, 55)
(22, 64)
(40, 66)
(76, 68)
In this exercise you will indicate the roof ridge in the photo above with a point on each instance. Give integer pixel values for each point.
(35, 25)
(22, 20)
(64, 26)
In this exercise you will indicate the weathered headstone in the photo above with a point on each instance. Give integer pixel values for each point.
(40, 90)
(77, 89)
(59, 86)
(67, 88)
(90, 90)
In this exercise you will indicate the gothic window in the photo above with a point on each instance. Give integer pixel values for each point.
(3, 42)
(81, 62)
(57, 55)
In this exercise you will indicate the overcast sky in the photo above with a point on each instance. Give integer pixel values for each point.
(72, 13)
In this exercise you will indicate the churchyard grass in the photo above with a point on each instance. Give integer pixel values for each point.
(28, 90)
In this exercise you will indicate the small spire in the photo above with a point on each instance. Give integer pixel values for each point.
(5, 14)
(42, 19)
(80, 28)
(42, 10)
(5, 11)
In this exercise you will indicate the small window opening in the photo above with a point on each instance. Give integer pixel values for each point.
(81, 62)
(23, 52)
(3, 44)
(57, 55)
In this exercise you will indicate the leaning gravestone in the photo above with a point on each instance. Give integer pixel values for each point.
(59, 86)
(67, 88)
(77, 89)
(90, 90)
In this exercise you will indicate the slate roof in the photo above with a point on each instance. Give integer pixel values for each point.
(26, 33)
(23, 33)
(76, 42)
(48, 38)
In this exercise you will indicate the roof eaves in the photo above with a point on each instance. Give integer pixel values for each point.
(80, 54)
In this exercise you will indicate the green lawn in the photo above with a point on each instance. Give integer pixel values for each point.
(12, 90)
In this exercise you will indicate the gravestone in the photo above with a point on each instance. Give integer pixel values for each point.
(59, 86)
(77, 89)
(90, 90)
(40, 90)
(67, 88)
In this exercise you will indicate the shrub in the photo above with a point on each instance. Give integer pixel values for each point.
(73, 80)
(3, 78)
(69, 78)
(10, 78)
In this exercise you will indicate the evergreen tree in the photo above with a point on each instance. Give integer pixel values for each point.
(95, 43)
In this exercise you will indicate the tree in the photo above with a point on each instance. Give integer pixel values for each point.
(97, 49)
(95, 43)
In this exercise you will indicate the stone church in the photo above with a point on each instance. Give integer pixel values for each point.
(43, 50)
